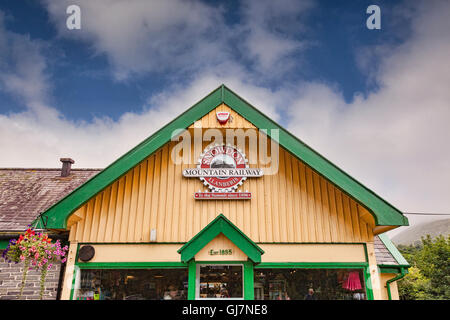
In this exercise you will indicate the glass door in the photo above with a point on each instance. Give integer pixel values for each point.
(220, 281)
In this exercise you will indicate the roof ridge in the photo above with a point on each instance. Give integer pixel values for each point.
(383, 212)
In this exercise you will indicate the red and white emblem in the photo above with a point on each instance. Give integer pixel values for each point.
(222, 117)
(222, 157)
(222, 168)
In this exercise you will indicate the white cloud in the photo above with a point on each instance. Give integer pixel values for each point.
(264, 32)
(395, 141)
(22, 67)
(39, 137)
(139, 36)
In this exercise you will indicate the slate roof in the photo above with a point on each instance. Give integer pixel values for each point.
(25, 193)
(382, 254)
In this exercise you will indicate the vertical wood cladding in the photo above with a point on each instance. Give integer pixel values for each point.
(294, 205)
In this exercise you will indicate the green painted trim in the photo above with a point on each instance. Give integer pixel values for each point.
(74, 277)
(393, 250)
(59, 212)
(389, 269)
(4, 244)
(221, 225)
(247, 273)
(192, 274)
(398, 266)
(249, 281)
(366, 254)
(76, 254)
(398, 277)
(130, 265)
(312, 265)
(368, 282)
(383, 212)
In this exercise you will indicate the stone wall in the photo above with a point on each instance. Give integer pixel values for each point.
(11, 278)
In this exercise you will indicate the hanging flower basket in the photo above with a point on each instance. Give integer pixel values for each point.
(36, 251)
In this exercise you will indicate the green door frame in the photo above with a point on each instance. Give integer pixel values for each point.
(248, 275)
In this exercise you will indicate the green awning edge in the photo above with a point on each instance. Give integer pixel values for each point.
(220, 225)
(384, 213)
(394, 251)
(392, 268)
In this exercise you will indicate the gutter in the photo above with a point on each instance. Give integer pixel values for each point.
(403, 273)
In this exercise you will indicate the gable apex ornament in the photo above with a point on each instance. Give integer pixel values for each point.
(222, 117)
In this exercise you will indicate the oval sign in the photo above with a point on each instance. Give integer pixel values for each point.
(218, 157)
(222, 117)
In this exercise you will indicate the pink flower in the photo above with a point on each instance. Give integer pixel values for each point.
(22, 257)
(63, 260)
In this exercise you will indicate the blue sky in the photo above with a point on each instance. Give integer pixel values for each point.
(374, 102)
(83, 85)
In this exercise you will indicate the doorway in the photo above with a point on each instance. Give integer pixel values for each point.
(220, 281)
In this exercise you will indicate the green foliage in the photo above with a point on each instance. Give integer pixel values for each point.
(414, 286)
(429, 275)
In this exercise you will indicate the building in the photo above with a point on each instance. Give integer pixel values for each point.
(24, 194)
(258, 215)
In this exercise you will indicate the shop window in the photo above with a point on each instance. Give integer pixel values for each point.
(309, 284)
(220, 281)
(131, 284)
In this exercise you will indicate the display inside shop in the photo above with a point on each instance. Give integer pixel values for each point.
(221, 281)
(309, 284)
(131, 284)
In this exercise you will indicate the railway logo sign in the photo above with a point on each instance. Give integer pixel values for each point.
(223, 169)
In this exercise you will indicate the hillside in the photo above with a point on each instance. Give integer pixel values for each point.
(413, 234)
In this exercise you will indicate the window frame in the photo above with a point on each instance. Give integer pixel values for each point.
(121, 265)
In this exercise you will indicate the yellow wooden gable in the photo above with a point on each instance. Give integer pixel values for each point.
(295, 205)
